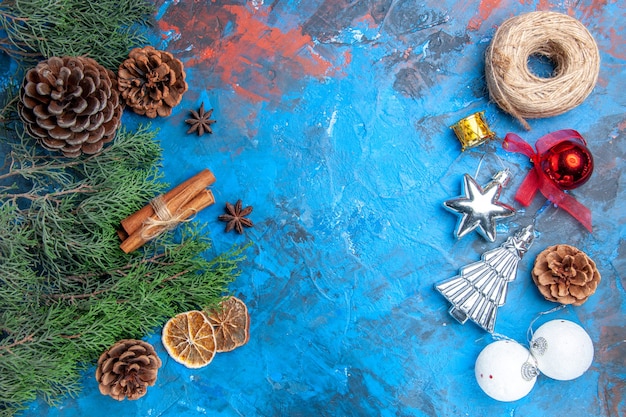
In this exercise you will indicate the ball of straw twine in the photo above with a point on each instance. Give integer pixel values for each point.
(561, 39)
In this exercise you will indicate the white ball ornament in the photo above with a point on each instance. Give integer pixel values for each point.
(563, 350)
(506, 370)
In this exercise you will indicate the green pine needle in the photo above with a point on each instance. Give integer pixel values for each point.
(106, 30)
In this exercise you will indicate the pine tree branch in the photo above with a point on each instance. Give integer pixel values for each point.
(51, 196)
(29, 167)
(106, 29)
(63, 278)
(8, 348)
(7, 109)
(67, 292)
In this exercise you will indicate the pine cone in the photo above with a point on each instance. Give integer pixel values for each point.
(152, 82)
(70, 104)
(565, 275)
(127, 368)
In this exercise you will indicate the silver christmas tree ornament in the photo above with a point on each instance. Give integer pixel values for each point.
(480, 288)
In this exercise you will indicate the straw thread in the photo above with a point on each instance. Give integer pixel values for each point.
(164, 220)
(563, 40)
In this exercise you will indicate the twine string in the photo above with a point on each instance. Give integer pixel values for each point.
(165, 220)
(161, 209)
(561, 39)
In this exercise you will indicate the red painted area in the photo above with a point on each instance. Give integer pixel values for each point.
(484, 11)
(256, 55)
(195, 25)
(593, 8)
(545, 5)
(367, 20)
(611, 351)
(258, 61)
(486, 7)
(618, 44)
(167, 28)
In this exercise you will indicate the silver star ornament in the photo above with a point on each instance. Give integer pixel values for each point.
(479, 207)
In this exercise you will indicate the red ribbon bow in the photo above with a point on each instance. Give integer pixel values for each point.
(537, 180)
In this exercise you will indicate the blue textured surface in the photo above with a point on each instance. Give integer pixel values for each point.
(332, 121)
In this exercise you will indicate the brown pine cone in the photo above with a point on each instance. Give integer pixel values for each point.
(152, 82)
(127, 368)
(70, 104)
(565, 275)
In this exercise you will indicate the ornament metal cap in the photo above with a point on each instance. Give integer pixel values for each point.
(473, 130)
(503, 177)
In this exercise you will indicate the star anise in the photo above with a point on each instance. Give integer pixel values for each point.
(236, 217)
(200, 121)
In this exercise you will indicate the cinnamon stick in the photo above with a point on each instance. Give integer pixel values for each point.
(178, 207)
(187, 189)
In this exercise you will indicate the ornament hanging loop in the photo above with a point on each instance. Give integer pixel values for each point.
(530, 331)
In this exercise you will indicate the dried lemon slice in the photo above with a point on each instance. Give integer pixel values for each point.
(231, 323)
(189, 339)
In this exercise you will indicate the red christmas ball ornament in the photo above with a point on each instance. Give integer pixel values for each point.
(568, 164)
(561, 162)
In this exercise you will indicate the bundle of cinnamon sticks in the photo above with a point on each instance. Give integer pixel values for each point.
(166, 211)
